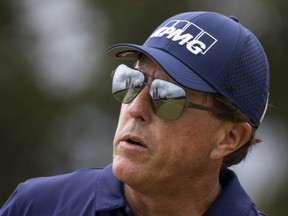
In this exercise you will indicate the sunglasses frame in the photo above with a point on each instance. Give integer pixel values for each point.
(187, 104)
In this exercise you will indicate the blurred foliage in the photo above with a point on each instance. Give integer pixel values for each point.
(27, 114)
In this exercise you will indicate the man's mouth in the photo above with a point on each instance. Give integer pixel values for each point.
(135, 141)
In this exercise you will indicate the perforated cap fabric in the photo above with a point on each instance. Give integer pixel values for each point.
(209, 52)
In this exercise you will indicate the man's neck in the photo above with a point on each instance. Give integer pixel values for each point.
(189, 200)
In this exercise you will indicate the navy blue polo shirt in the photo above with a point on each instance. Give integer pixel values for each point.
(98, 192)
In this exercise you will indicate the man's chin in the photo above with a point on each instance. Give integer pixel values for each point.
(127, 171)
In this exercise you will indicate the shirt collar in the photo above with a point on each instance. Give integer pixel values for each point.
(109, 192)
(233, 200)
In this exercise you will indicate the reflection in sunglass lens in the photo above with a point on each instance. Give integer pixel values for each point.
(126, 83)
(169, 99)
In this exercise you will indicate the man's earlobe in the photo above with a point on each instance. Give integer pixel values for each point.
(238, 135)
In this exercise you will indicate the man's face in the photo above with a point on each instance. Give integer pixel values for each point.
(151, 151)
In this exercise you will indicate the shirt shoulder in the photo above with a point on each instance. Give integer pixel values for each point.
(65, 182)
(55, 195)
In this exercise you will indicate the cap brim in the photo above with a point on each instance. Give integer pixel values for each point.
(171, 65)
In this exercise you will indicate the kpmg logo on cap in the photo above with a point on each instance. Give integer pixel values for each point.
(186, 33)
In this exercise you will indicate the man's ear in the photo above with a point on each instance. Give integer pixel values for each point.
(235, 137)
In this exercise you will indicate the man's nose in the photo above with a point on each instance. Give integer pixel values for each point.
(141, 107)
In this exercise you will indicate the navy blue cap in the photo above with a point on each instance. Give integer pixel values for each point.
(209, 52)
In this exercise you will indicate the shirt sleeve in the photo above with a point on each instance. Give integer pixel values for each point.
(10, 207)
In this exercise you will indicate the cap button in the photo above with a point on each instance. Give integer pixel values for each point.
(234, 18)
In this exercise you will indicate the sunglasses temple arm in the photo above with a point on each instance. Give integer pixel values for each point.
(209, 109)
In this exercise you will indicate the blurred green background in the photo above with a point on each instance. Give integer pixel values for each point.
(57, 113)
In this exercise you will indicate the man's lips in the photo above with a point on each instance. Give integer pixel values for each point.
(134, 140)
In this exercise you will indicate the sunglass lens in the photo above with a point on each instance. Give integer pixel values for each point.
(169, 99)
(126, 83)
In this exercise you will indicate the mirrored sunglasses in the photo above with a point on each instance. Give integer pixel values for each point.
(168, 99)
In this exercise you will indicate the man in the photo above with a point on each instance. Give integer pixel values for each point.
(192, 101)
